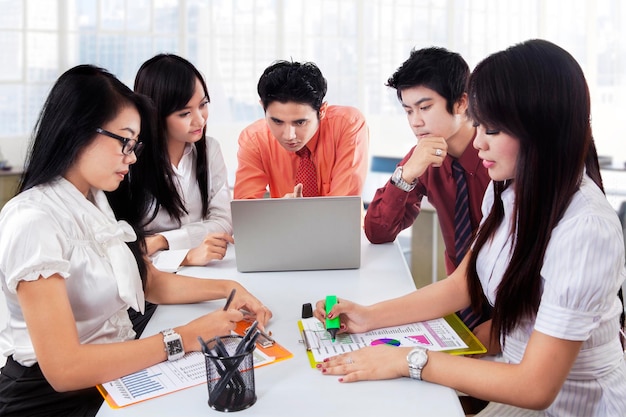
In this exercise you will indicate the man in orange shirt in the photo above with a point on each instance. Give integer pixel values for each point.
(299, 129)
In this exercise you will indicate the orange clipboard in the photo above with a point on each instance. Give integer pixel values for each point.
(474, 346)
(275, 351)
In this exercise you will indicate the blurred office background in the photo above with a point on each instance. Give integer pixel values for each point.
(357, 43)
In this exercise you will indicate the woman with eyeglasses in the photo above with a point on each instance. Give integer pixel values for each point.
(70, 270)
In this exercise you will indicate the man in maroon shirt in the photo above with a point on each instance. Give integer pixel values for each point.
(432, 88)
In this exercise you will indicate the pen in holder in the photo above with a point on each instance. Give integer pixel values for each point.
(230, 371)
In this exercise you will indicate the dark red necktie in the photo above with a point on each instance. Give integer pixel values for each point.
(306, 174)
(462, 222)
(463, 237)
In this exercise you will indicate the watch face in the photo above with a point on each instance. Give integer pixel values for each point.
(174, 347)
(418, 357)
(397, 174)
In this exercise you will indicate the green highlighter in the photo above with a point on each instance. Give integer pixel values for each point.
(332, 325)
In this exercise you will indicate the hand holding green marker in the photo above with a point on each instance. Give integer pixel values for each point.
(332, 325)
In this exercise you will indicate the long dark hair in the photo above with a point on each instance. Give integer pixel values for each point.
(82, 99)
(170, 82)
(536, 92)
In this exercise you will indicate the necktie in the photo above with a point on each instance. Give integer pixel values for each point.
(462, 223)
(306, 174)
(463, 233)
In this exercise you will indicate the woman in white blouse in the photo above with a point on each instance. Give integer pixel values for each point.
(182, 170)
(70, 270)
(178, 190)
(549, 256)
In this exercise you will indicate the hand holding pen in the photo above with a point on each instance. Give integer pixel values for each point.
(249, 305)
(355, 318)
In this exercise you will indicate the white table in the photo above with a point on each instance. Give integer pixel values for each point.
(292, 387)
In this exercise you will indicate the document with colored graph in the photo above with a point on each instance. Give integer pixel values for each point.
(168, 377)
(444, 334)
(163, 378)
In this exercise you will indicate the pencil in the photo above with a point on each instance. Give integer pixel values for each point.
(230, 299)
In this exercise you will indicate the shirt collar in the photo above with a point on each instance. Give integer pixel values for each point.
(469, 160)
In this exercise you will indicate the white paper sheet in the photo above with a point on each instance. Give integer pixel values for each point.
(166, 377)
(433, 334)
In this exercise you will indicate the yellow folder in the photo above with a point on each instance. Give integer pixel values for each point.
(474, 346)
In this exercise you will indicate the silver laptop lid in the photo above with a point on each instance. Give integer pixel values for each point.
(296, 234)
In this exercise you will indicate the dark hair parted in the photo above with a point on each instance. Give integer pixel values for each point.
(170, 81)
(435, 68)
(82, 99)
(536, 92)
(285, 81)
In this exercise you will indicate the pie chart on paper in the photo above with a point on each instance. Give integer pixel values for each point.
(385, 341)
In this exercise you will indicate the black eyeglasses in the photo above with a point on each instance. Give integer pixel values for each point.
(128, 145)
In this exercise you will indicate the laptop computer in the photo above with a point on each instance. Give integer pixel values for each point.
(297, 234)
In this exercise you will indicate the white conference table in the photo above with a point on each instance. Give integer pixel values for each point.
(291, 387)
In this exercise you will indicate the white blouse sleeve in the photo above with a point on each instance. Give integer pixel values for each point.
(32, 245)
(583, 269)
(191, 234)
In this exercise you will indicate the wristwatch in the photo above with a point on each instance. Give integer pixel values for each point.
(417, 359)
(173, 345)
(396, 179)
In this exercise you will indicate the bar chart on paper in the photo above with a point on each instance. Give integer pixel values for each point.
(167, 377)
(142, 383)
(160, 379)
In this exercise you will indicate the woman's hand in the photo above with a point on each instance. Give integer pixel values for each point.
(217, 323)
(369, 363)
(222, 322)
(354, 317)
(213, 247)
(244, 300)
(483, 333)
(155, 243)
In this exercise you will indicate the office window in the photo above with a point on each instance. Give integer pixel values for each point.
(357, 43)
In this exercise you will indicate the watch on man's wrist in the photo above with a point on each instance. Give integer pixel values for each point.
(173, 345)
(417, 359)
(398, 181)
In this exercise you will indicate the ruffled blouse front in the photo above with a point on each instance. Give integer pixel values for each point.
(53, 229)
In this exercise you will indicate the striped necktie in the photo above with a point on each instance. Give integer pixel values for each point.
(462, 222)
(463, 234)
(306, 174)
